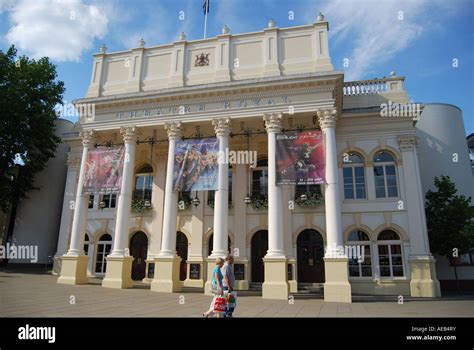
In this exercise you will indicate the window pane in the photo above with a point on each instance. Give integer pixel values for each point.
(396, 249)
(360, 191)
(382, 157)
(348, 193)
(380, 192)
(397, 260)
(347, 172)
(398, 271)
(383, 249)
(354, 271)
(139, 182)
(385, 271)
(392, 191)
(113, 201)
(390, 169)
(366, 271)
(149, 182)
(359, 171)
(378, 171)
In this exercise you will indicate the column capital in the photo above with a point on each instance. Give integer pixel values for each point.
(273, 122)
(327, 117)
(73, 160)
(407, 142)
(88, 137)
(129, 133)
(221, 126)
(174, 130)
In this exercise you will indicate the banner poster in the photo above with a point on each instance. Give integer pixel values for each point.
(104, 169)
(300, 158)
(196, 165)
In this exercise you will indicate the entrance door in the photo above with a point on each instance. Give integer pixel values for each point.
(310, 248)
(138, 249)
(259, 247)
(182, 251)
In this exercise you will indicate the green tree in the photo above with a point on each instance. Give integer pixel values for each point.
(449, 219)
(29, 93)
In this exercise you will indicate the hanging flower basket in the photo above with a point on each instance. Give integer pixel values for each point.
(313, 200)
(259, 201)
(139, 207)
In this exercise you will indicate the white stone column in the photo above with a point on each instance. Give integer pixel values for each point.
(119, 264)
(74, 263)
(167, 262)
(336, 287)
(73, 166)
(221, 206)
(222, 128)
(275, 285)
(423, 282)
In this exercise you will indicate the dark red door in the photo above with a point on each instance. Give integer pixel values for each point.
(259, 247)
(182, 251)
(310, 248)
(138, 249)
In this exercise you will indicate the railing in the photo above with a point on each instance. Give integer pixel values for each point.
(371, 87)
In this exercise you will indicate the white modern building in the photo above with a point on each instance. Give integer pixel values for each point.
(243, 89)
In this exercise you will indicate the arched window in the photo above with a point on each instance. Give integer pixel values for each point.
(385, 175)
(354, 176)
(104, 245)
(260, 178)
(390, 254)
(86, 244)
(360, 259)
(144, 183)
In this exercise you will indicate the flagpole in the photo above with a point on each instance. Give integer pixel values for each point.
(205, 23)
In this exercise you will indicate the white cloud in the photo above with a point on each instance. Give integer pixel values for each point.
(373, 32)
(61, 30)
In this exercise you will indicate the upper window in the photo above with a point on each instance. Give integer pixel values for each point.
(144, 183)
(86, 244)
(260, 178)
(390, 254)
(385, 175)
(354, 177)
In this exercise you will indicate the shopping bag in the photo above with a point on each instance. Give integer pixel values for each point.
(231, 299)
(220, 304)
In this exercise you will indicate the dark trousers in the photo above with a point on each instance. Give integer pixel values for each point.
(228, 310)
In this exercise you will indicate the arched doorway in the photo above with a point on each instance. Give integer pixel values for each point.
(182, 251)
(211, 243)
(310, 254)
(138, 249)
(258, 249)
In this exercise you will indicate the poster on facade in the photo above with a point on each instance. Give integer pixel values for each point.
(103, 171)
(196, 165)
(300, 158)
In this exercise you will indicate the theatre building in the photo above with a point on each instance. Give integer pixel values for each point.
(245, 90)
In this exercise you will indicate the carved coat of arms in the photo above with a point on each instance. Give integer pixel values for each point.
(201, 60)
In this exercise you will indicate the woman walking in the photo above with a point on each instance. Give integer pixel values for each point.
(216, 285)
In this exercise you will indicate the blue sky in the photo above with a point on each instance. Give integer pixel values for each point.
(418, 39)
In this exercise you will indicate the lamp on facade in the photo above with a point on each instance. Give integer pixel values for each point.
(304, 197)
(147, 203)
(196, 200)
(102, 205)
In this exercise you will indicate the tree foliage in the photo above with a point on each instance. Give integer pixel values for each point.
(29, 92)
(449, 219)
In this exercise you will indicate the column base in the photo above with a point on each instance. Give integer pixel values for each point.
(423, 281)
(275, 285)
(73, 269)
(166, 278)
(119, 272)
(337, 287)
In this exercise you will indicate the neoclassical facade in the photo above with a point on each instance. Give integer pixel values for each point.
(244, 89)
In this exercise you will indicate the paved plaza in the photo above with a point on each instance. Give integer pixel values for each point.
(36, 294)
